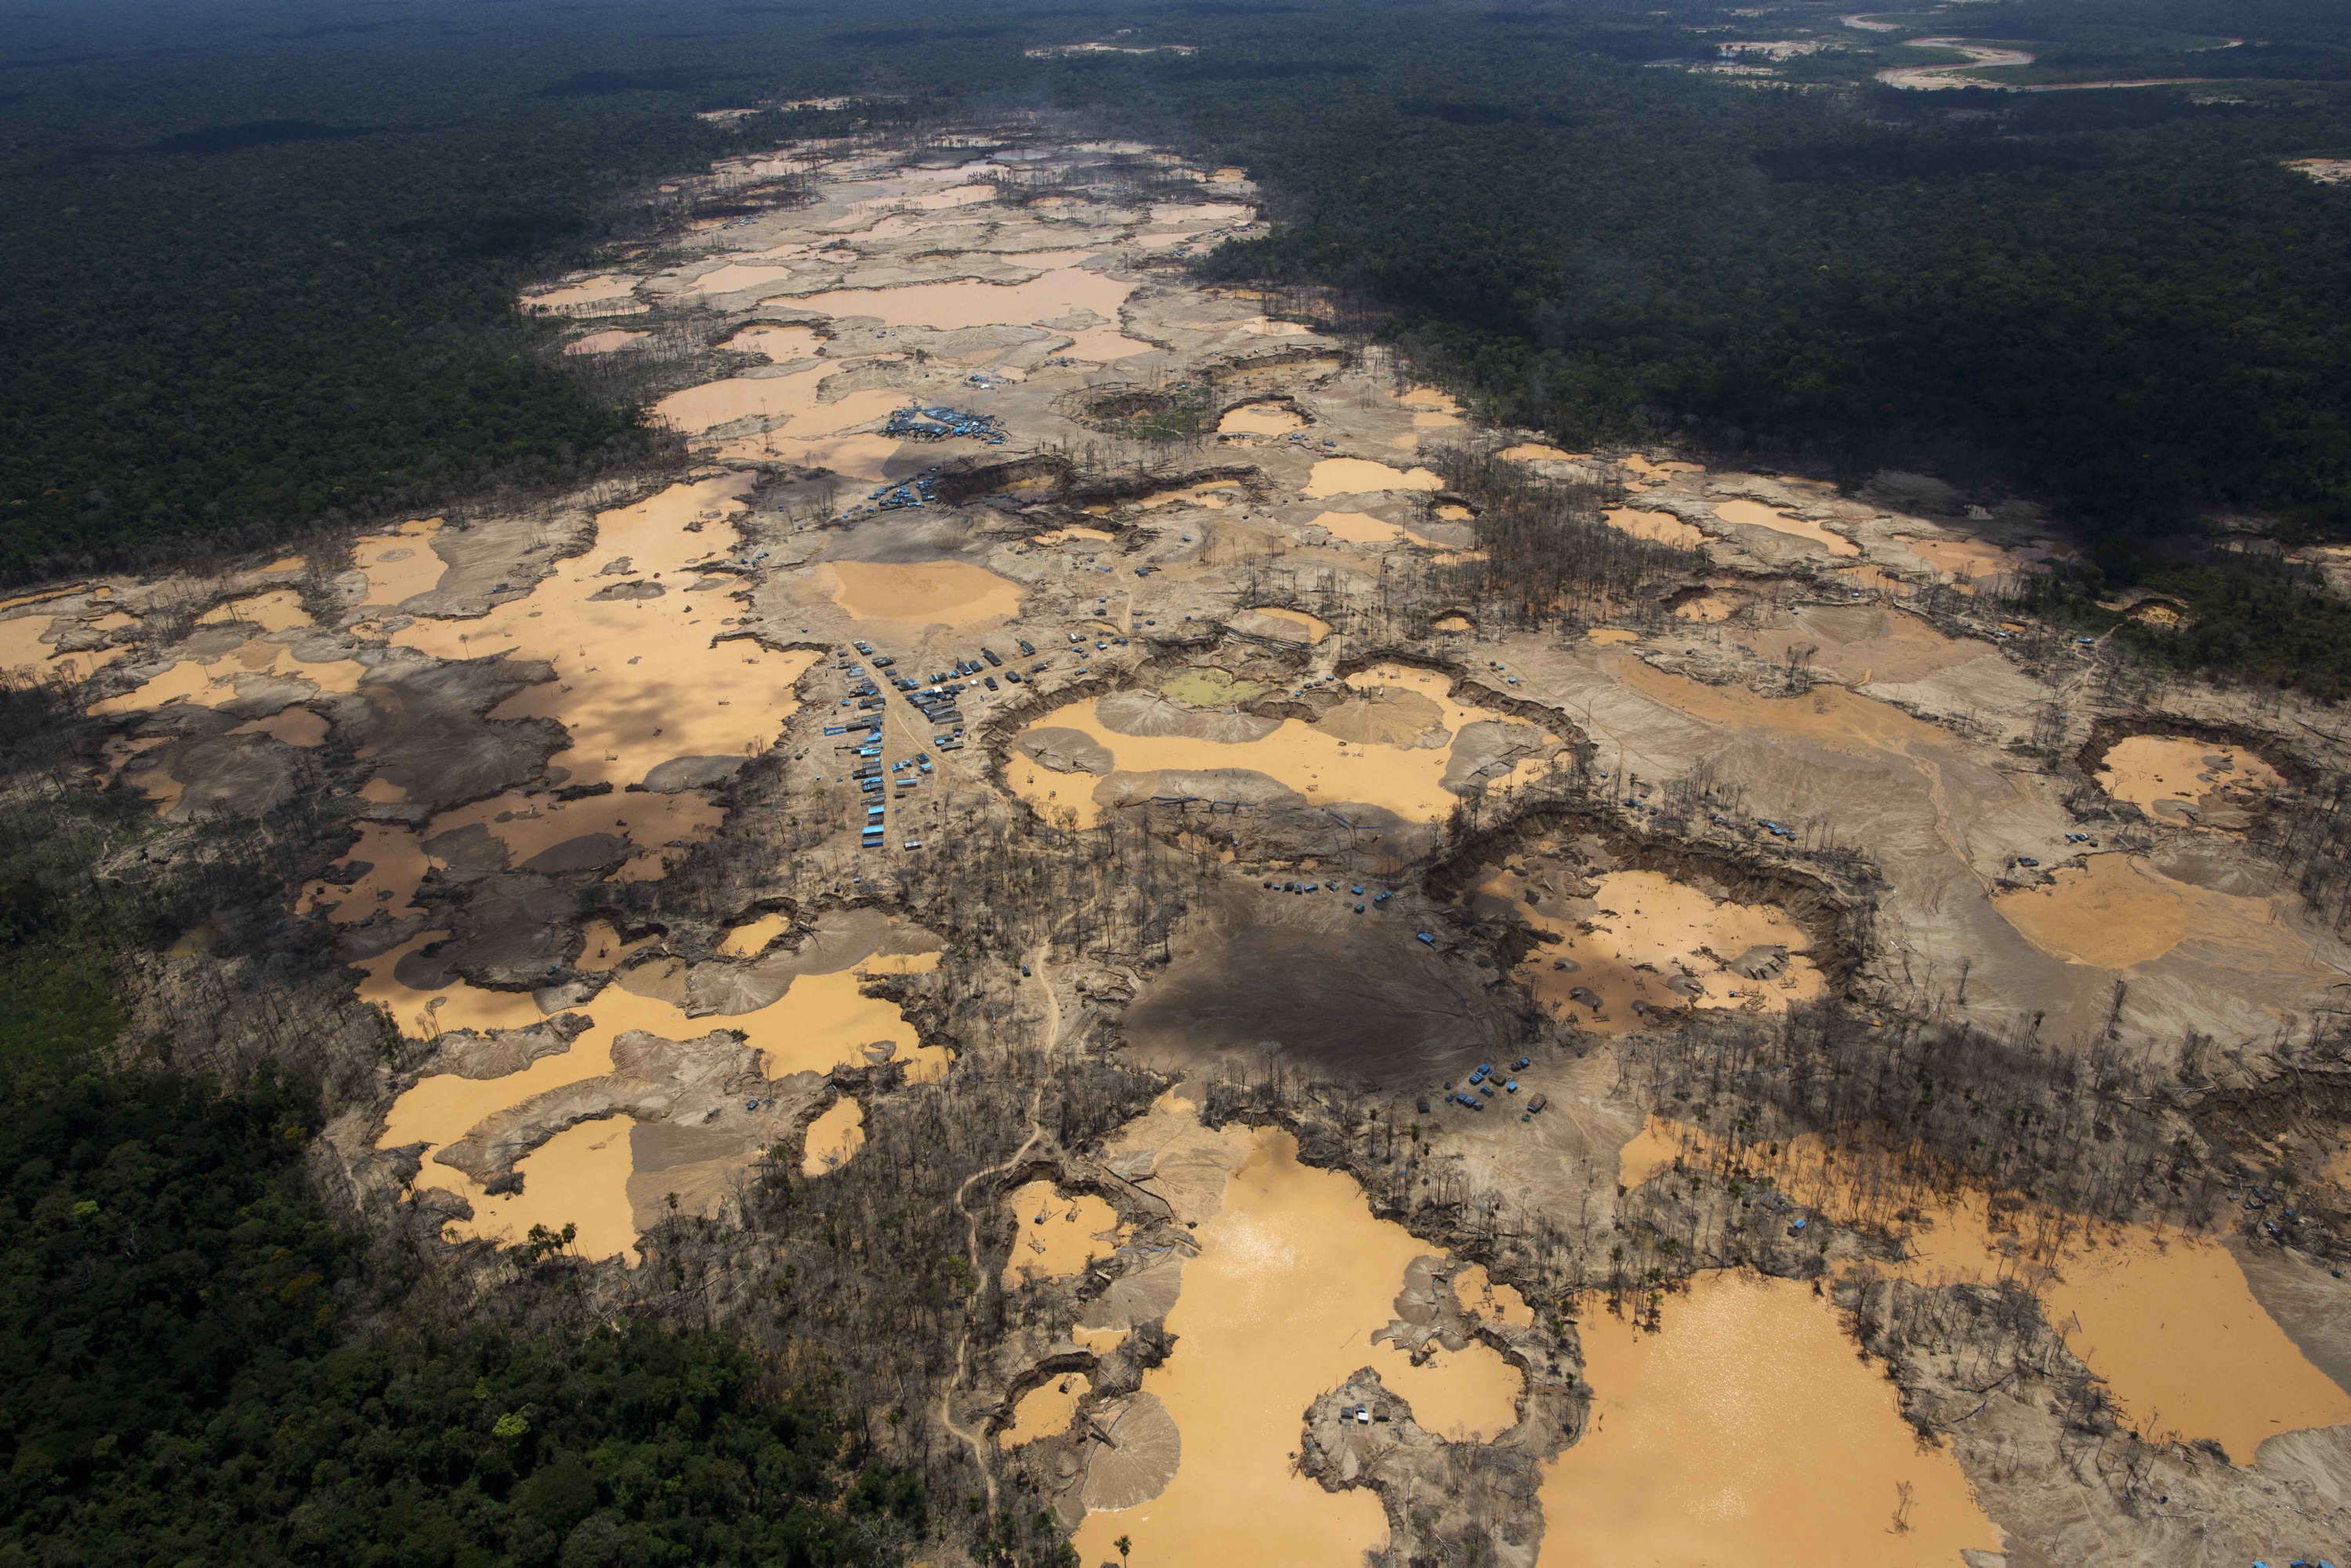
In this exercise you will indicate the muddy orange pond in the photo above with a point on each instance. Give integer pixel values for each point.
(1745, 1434)
(1294, 1276)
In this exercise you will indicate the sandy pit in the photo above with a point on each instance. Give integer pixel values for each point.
(1657, 528)
(1308, 759)
(541, 832)
(1830, 715)
(1970, 564)
(21, 649)
(400, 564)
(1359, 528)
(640, 680)
(1360, 476)
(1293, 1278)
(2183, 1345)
(750, 939)
(2181, 781)
(1211, 688)
(1045, 1410)
(576, 297)
(833, 1138)
(603, 342)
(1612, 636)
(820, 1022)
(210, 685)
(2112, 911)
(1536, 451)
(279, 610)
(1710, 609)
(1756, 515)
(294, 725)
(1640, 936)
(1216, 495)
(1059, 1235)
(1062, 293)
(927, 594)
(1805, 1456)
(1268, 418)
(779, 344)
(1294, 625)
(2165, 1318)
(1480, 1297)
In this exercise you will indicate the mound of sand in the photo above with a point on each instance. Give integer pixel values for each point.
(1148, 713)
(1387, 715)
(1067, 751)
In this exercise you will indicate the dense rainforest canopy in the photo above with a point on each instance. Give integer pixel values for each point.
(204, 1360)
(262, 271)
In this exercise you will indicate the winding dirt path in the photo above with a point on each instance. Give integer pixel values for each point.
(1928, 78)
(974, 1440)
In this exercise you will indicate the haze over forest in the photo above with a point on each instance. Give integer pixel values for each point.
(1517, 783)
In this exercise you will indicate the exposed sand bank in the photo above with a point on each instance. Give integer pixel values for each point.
(928, 593)
(1757, 515)
(2112, 911)
(2178, 780)
(1642, 937)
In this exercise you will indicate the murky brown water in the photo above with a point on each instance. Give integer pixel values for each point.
(1045, 1411)
(819, 1023)
(779, 344)
(1746, 1434)
(1318, 765)
(1294, 1276)
(1360, 476)
(639, 680)
(833, 1138)
(1260, 419)
(400, 564)
(577, 1177)
(21, 649)
(2167, 1319)
(210, 685)
(608, 290)
(750, 939)
(1059, 1235)
(1361, 528)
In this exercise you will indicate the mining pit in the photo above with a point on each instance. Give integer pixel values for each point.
(928, 732)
